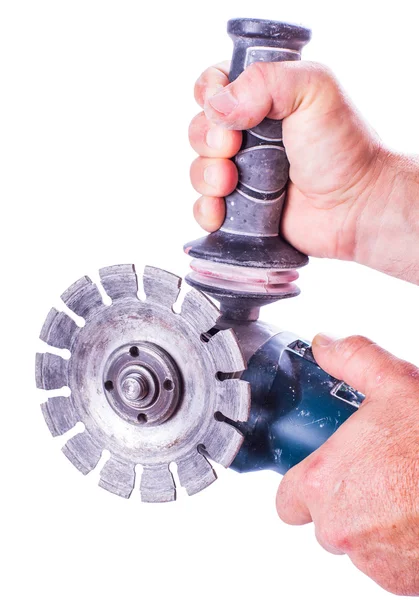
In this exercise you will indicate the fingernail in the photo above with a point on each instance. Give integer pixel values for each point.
(324, 339)
(215, 138)
(211, 175)
(211, 91)
(224, 102)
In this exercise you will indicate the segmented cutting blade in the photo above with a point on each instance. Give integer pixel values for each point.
(150, 385)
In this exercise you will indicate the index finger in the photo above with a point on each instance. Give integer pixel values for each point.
(211, 81)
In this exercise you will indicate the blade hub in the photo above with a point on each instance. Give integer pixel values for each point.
(142, 383)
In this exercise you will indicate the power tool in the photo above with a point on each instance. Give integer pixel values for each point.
(208, 384)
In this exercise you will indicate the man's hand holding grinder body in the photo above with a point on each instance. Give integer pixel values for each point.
(349, 198)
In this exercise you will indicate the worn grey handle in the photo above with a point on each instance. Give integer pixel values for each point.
(255, 207)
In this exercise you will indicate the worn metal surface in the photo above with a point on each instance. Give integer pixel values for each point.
(199, 362)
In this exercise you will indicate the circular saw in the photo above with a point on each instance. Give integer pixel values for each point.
(154, 386)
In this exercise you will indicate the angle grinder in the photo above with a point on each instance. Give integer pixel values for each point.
(204, 385)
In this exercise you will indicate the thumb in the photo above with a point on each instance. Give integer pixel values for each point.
(275, 90)
(359, 362)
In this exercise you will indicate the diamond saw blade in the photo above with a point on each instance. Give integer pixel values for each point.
(149, 384)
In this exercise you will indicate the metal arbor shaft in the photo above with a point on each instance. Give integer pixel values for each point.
(145, 381)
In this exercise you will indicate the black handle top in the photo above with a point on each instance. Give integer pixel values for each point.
(264, 34)
(255, 207)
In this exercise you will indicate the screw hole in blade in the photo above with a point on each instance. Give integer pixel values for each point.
(168, 385)
(109, 385)
(142, 418)
(134, 351)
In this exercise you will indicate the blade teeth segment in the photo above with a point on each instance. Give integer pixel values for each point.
(58, 330)
(233, 399)
(83, 297)
(222, 443)
(60, 414)
(83, 452)
(195, 472)
(226, 352)
(119, 281)
(161, 287)
(201, 313)
(157, 484)
(51, 371)
(118, 477)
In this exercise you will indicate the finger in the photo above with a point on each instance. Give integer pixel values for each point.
(290, 502)
(214, 176)
(210, 140)
(211, 81)
(209, 212)
(360, 362)
(275, 90)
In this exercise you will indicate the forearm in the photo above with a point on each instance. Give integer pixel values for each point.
(388, 225)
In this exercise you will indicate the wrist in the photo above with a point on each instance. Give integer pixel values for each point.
(387, 230)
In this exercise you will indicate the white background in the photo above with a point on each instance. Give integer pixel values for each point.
(96, 97)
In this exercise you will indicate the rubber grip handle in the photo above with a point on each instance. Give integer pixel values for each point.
(255, 207)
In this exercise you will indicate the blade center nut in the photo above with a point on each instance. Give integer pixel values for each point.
(135, 387)
(142, 383)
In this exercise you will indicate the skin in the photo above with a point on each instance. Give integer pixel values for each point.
(349, 198)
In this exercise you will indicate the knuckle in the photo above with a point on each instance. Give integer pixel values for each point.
(320, 84)
(285, 486)
(322, 73)
(254, 74)
(260, 74)
(409, 376)
(257, 69)
(284, 497)
(334, 537)
(286, 490)
(349, 346)
(313, 474)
